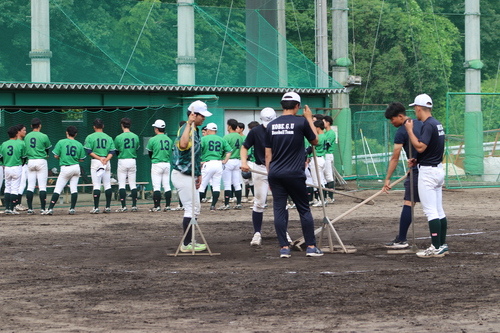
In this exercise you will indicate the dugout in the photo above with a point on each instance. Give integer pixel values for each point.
(62, 105)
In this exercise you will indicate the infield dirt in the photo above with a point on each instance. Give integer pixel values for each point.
(111, 272)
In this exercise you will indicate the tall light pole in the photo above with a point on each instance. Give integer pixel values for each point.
(474, 155)
(40, 53)
(186, 61)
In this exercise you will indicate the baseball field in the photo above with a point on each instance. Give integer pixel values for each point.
(112, 272)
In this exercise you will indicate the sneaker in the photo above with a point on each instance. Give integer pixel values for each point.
(288, 238)
(134, 209)
(8, 212)
(43, 211)
(319, 203)
(444, 249)
(291, 206)
(95, 211)
(178, 208)
(233, 199)
(30, 212)
(397, 244)
(166, 209)
(20, 208)
(49, 212)
(197, 248)
(244, 200)
(238, 207)
(431, 252)
(71, 211)
(209, 200)
(313, 252)
(285, 253)
(330, 200)
(204, 200)
(212, 208)
(155, 209)
(224, 207)
(256, 239)
(107, 210)
(121, 210)
(14, 212)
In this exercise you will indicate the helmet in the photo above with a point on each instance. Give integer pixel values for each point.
(246, 174)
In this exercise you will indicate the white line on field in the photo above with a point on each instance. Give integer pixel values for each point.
(465, 234)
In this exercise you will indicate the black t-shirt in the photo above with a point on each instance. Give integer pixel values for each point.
(285, 136)
(432, 135)
(256, 138)
(402, 137)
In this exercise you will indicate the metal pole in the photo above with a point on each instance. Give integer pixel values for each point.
(40, 41)
(186, 60)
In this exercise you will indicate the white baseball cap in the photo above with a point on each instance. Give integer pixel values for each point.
(212, 127)
(422, 100)
(267, 115)
(200, 108)
(291, 96)
(159, 123)
(100, 171)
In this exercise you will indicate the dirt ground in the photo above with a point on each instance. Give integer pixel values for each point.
(111, 273)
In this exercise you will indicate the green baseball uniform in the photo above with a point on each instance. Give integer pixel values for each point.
(127, 145)
(37, 144)
(13, 152)
(99, 143)
(235, 140)
(331, 137)
(213, 147)
(70, 152)
(161, 147)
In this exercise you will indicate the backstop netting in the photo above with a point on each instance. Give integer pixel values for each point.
(135, 42)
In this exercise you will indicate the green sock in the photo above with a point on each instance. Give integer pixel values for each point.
(168, 198)
(97, 196)
(238, 197)
(444, 229)
(156, 198)
(123, 196)
(108, 194)
(133, 194)
(43, 199)
(435, 229)
(227, 196)
(6, 200)
(53, 200)
(215, 198)
(74, 198)
(29, 199)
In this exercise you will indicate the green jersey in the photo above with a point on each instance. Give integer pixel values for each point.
(69, 151)
(331, 139)
(182, 158)
(213, 147)
(13, 152)
(320, 147)
(161, 146)
(127, 145)
(37, 145)
(235, 140)
(99, 143)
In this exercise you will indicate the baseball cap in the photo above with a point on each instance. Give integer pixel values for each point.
(267, 115)
(422, 100)
(100, 171)
(212, 127)
(200, 108)
(159, 123)
(291, 96)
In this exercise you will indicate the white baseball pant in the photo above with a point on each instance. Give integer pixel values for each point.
(105, 178)
(260, 188)
(69, 173)
(13, 177)
(211, 172)
(321, 168)
(127, 169)
(430, 191)
(329, 159)
(160, 175)
(185, 189)
(24, 179)
(37, 171)
(232, 174)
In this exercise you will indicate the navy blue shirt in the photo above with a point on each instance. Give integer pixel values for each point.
(402, 137)
(257, 138)
(285, 136)
(432, 135)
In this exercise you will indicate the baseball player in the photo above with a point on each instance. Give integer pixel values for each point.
(182, 173)
(285, 165)
(430, 147)
(126, 145)
(232, 173)
(329, 158)
(37, 151)
(396, 113)
(21, 133)
(215, 151)
(101, 148)
(160, 148)
(69, 152)
(12, 152)
(321, 148)
(249, 185)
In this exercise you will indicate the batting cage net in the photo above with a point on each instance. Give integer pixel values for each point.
(54, 124)
(135, 42)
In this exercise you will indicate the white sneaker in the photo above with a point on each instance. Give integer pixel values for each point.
(244, 200)
(224, 207)
(204, 200)
(178, 208)
(330, 200)
(71, 211)
(318, 204)
(20, 208)
(95, 211)
(155, 209)
(431, 252)
(232, 199)
(121, 210)
(209, 200)
(256, 239)
(134, 209)
(14, 212)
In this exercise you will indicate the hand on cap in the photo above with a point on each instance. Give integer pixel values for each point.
(307, 112)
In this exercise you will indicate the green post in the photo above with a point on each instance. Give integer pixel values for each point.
(474, 155)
